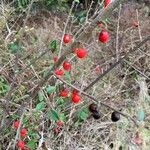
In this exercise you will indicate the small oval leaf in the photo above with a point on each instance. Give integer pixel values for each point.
(140, 115)
(50, 89)
(53, 114)
(40, 106)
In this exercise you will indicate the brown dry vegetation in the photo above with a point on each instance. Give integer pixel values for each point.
(126, 87)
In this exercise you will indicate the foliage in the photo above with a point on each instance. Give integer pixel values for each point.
(4, 87)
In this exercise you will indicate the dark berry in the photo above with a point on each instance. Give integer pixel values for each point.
(96, 115)
(111, 145)
(120, 148)
(115, 116)
(93, 107)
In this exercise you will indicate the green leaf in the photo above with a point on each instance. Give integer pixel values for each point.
(40, 106)
(32, 144)
(41, 95)
(68, 76)
(140, 115)
(53, 114)
(83, 114)
(82, 19)
(53, 45)
(50, 89)
(13, 47)
(60, 101)
(108, 20)
(62, 116)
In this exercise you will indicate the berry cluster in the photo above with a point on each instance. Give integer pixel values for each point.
(75, 97)
(20, 143)
(115, 116)
(80, 53)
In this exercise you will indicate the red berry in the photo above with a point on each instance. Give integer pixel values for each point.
(81, 52)
(23, 132)
(103, 36)
(20, 144)
(59, 123)
(16, 124)
(66, 38)
(55, 58)
(64, 93)
(66, 65)
(106, 2)
(59, 72)
(75, 98)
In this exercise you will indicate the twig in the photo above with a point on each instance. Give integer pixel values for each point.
(136, 69)
(12, 86)
(18, 130)
(139, 25)
(65, 28)
(117, 63)
(95, 100)
(82, 37)
(117, 36)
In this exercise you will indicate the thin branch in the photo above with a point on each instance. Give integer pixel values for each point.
(70, 12)
(12, 86)
(95, 100)
(18, 130)
(136, 69)
(82, 37)
(117, 63)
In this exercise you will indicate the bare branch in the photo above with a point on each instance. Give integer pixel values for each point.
(117, 63)
(95, 100)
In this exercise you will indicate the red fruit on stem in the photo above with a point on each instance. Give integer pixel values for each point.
(23, 132)
(81, 52)
(66, 38)
(20, 144)
(106, 2)
(103, 36)
(64, 93)
(59, 72)
(16, 124)
(75, 98)
(59, 123)
(66, 65)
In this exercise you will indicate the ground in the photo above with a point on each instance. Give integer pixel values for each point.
(125, 88)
